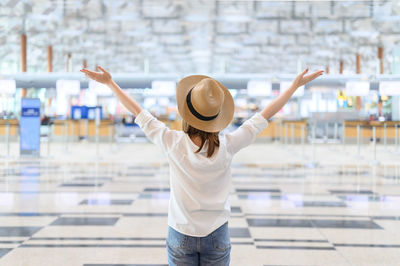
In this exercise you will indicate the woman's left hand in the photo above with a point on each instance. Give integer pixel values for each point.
(302, 80)
(103, 77)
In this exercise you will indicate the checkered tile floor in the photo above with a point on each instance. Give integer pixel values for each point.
(55, 213)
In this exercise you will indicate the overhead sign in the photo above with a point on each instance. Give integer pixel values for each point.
(30, 127)
(7, 86)
(284, 85)
(163, 88)
(259, 88)
(68, 87)
(389, 88)
(99, 89)
(357, 88)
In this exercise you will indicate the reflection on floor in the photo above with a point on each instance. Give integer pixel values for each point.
(59, 213)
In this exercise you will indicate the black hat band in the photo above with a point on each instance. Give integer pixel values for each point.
(194, 112)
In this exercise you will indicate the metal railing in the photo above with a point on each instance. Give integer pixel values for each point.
(336, 134)
(7, 128)
(301, 138)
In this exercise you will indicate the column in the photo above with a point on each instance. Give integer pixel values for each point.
(380, 57)
(23, 59)
(358, 71)
(341, 67)
(358, 64)
(68, 63)
(49, 58)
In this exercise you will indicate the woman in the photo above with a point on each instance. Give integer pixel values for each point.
(200, 159)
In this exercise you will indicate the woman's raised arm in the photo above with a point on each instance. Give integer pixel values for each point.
(276, 105)
(105, 77)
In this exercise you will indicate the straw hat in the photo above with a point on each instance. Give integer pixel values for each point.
(204, 103)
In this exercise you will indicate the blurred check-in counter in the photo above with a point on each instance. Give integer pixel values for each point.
(291, 130)
(77, 129)
(13, 128)
(365, 130)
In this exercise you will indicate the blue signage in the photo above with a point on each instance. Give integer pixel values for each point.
(86, 112)
(78, 112)
(29, 126)
(92, 112)
(30, 112)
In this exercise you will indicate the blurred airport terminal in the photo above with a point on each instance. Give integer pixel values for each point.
(80, 184)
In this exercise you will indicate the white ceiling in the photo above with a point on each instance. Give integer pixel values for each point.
(199, 36)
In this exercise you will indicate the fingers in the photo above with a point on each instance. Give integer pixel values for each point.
(313, 76)
(304, 72)
(317, 74)
(87, 71)
(102, 69)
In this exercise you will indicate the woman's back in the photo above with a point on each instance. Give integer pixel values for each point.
(200, 185)
(199, 188)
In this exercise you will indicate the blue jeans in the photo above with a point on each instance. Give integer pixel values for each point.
(213, 249)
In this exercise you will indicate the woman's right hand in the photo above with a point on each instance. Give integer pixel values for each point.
(103, 77)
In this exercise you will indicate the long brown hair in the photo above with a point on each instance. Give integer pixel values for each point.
(212, 137)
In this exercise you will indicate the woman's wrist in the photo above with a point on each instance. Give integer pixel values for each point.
(109, 83)
(294, 86)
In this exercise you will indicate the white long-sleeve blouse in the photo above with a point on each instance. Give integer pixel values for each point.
(199, 186)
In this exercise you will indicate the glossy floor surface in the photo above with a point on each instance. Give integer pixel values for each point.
(79, 208)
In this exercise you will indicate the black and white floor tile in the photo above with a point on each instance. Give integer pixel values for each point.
(116, 214)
